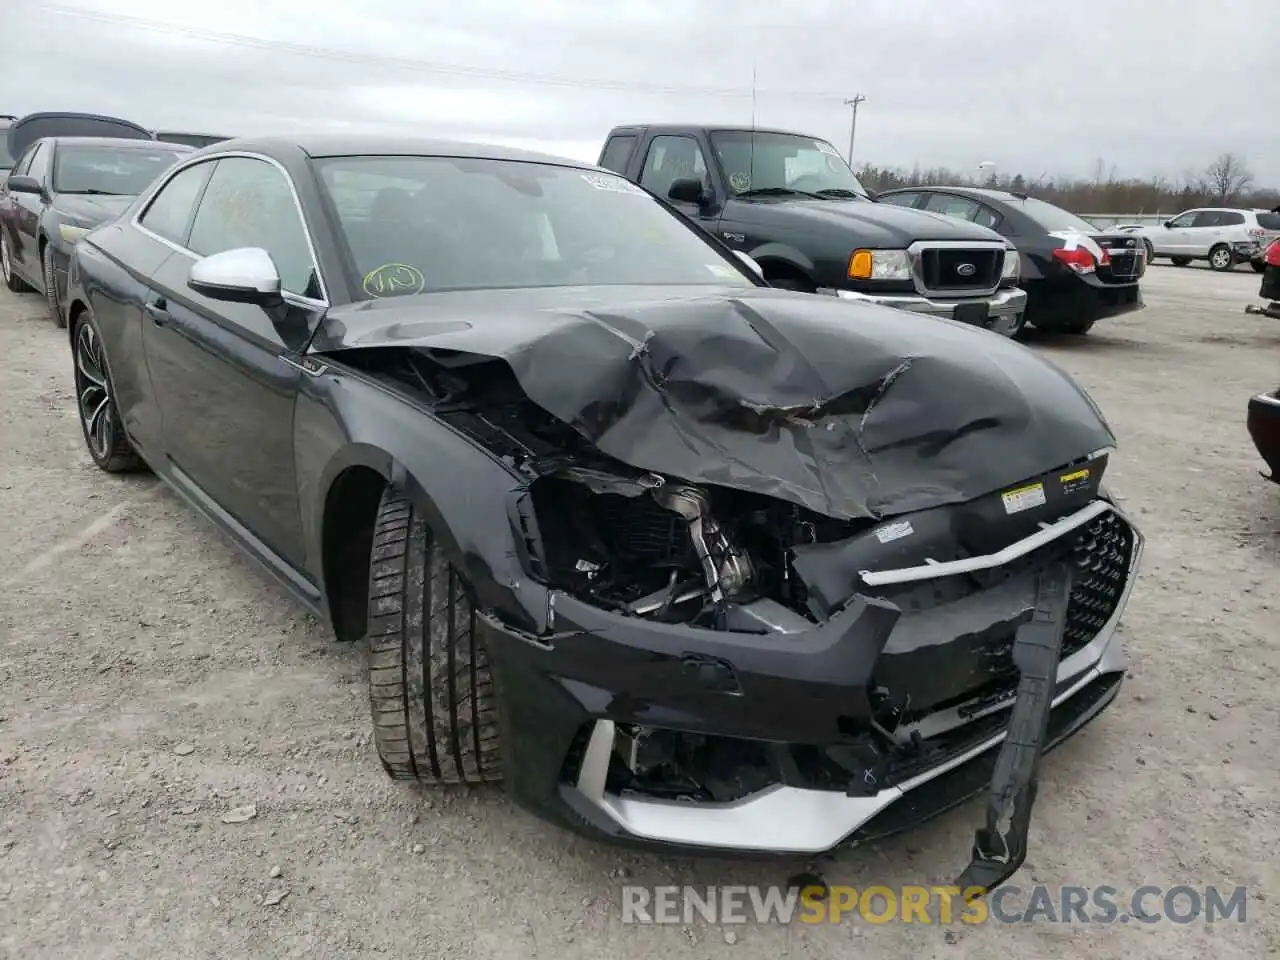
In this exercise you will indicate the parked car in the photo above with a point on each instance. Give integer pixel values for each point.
(1264, 429)
(552, 450)
(1074, 274)
(6, 160)
(1223, 236)
(791, 202)
(59, 190)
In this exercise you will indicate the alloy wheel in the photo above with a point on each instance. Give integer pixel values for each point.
(1221, 258)
(94, 392)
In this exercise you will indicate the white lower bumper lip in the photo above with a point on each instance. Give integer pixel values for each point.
(784, 819)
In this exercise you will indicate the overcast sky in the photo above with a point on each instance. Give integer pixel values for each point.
(1153, 87)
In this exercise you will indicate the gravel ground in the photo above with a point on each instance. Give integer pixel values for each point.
(154, 687)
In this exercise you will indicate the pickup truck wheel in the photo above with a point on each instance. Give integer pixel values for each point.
(1151, 252)
(1180, 261)
(11, 279)
(430, 690)
(1221, 258)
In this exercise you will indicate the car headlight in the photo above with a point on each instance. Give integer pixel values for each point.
(71, 234)
(1011, 263)
(879, 265)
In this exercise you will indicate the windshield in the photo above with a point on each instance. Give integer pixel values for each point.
(415, 224)
(784, 162)
(6, 161)
(108, 170)
(1049, 217)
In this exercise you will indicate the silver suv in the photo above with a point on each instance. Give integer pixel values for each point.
(1224, 236)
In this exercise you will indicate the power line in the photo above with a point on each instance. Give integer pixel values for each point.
(422, 66)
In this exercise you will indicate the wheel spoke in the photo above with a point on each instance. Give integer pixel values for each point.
(98, 425)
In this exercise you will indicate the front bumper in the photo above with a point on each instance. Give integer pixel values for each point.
(1004, 307)
(570, 705)
(1264, 429)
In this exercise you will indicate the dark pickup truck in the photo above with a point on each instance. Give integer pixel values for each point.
(791, 203)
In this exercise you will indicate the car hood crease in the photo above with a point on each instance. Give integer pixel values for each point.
(852, 411)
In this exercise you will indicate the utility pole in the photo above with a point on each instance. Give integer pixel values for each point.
(853, 121)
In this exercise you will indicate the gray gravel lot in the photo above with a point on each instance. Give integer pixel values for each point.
(154, 685)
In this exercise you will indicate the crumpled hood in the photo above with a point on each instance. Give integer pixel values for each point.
(90, 210)
(851, 410)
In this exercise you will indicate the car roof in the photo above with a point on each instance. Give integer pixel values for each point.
(382, 145)
(125, 143)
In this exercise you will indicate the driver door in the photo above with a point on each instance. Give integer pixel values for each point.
(225, 380)
(1176, 238)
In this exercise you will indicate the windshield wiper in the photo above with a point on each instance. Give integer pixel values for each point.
(776, 192)
(92, 192)
(841, 192)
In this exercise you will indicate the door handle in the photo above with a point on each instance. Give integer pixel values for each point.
(158, 311)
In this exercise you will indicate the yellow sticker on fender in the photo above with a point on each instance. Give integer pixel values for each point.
(1078, 475)
(1023, 498)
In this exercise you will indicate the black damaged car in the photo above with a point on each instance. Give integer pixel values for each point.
(685, 560)
(62, 186)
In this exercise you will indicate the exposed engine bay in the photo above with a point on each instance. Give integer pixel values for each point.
(629, 541)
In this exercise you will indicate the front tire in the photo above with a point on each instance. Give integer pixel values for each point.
(1151, 252)
(1221, 258)
(51, 288)
(11, 280)
(104, 434)
(434, 707)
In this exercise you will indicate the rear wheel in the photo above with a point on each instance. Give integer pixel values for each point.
(51, 288)
(11, 279)
(104, 434)
(434, 708)
(1180, 261)
(1221, 258)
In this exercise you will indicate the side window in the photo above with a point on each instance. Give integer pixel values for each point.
(169, 213)
(24, 162)
(1184, 220)
(900, 199)
(670, 159)
(1207, 218)
(1231, 219)
(616, 152)
(39, 166)
(952, 206)
(986, 217)
(249, 203)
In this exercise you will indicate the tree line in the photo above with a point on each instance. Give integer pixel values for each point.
(1226, 181)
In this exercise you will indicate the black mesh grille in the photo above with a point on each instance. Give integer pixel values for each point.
(1102, 552)
(945, 269)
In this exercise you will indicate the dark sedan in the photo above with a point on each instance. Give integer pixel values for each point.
(621, 524)
(1074, 274)
(59, 190)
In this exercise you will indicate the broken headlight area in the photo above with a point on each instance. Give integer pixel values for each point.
(677, 553)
